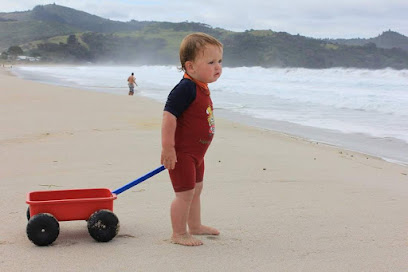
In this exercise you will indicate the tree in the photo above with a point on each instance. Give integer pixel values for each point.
(4, 55)
(72, 40)
(15, 50)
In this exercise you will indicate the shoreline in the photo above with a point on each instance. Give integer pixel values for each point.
(282, 203)
(388, 149)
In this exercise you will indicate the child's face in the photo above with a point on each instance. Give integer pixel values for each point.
(207, 66)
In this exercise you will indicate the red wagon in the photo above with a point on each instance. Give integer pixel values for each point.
(47, 208)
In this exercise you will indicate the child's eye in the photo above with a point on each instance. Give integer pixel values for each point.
(211, 62)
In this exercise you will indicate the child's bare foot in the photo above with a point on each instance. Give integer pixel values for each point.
(185, 240)
(204, 230)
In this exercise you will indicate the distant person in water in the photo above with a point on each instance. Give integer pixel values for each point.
(132, 82)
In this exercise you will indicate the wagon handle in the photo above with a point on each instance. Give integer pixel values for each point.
(139, 180)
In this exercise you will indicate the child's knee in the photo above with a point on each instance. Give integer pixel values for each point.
(186, 195)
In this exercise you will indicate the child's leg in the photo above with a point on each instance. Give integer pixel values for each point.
(179, 212)
(194, 218)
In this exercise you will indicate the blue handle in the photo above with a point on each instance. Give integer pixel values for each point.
(139, 180)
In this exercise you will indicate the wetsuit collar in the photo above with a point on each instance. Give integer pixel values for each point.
(199, 83)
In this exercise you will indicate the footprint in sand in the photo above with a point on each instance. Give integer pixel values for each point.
(125, 236)
(66, 243)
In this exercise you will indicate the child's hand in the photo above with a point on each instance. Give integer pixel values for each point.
(168, 157)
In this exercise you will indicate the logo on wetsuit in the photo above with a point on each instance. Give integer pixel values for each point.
(211, 124)
(210, 119)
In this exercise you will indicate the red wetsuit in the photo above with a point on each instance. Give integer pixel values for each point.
(191, 103)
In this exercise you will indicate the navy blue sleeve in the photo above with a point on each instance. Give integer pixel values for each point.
(180, 98)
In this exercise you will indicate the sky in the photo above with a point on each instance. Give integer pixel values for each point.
(311, 18)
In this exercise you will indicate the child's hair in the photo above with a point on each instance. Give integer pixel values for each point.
(192, 44)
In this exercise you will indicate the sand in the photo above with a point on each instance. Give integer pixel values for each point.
(282, 203)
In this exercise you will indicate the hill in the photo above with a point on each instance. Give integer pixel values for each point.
(60, 34)
(388, 39)
(53, 20)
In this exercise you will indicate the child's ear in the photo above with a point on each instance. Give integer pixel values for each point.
(189, 66)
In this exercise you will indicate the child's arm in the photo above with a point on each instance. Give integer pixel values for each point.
(168, 154)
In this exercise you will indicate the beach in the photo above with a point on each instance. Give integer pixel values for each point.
(282, 203)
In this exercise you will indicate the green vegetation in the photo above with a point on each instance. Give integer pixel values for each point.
(61, 34)
(388, 39)
(15, 51)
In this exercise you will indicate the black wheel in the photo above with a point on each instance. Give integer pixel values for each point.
(28, 213)
(103, 225)
(42, 229)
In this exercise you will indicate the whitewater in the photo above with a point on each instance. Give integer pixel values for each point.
(357, 109)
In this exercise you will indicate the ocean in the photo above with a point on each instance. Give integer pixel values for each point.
(356, 109)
